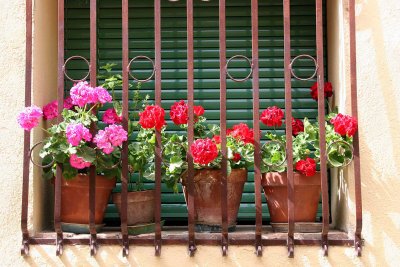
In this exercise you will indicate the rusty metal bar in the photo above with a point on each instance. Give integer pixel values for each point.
(288, 111)
(125, 115)
(256, 125)
(356, 141)
(27, 135)
(60, 99)
(222, 97)
(321, 122)
(158, 159)
(213, 239)
(92, 171)
(190, 96)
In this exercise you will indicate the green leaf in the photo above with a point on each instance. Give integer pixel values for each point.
(87, 153)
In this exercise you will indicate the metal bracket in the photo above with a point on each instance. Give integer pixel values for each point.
(158, 248)
(358, 245)
(25, 245)
(325, 245)
(125, 246)
(59, 244)
(192, 249)
(290, 247)
(259, 249)
(93, 244)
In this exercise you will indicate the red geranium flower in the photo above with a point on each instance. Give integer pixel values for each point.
(272, 116)
(236, 157)
(297, 126)
(179, 112)
(152, 117)
(198, 110)
(327, 90)
(204, 151)
(242, 132)
(308, 167)
(217, 139)
(345, 125)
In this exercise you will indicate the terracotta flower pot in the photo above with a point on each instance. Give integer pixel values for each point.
(75, 198)
(140, 206)
(207, 197)
(307, 190)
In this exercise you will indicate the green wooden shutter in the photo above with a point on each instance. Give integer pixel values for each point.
(206, 54)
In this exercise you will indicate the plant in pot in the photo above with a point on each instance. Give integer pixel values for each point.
(206, 153)
(72, 145)
(307, 180)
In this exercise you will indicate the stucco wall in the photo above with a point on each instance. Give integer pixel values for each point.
(378, 44)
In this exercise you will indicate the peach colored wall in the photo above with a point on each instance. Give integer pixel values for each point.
(378, 45)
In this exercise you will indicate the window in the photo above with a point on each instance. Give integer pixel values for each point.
(206, 63)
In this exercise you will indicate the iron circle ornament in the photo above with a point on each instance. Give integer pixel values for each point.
(135, 78)
(74, 58)
(235, 79)
(36, 164)
(263, 148)
(303, 56)
(338, 142)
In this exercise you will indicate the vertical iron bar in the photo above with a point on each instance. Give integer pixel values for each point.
(288, 109)
(125, 107)
(256, 125)
(356, 142)
(224, 166)
(158, 159)
(190, 96)
(27, 135)
(321, 122)
(92, 171)
(60, 99)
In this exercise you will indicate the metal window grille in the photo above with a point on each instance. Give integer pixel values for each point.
(323, 239)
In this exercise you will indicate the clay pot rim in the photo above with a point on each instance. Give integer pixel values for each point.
(280, 179)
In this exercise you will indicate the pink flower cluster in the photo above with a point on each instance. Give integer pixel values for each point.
(50, 111)
(76, 132)
(82, 93)
(29, 117)
(78, 162)
(110, 137)
(110, 116)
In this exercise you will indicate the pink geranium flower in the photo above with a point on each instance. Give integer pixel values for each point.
(112, 136)
(110, 116)
(81, 94)
(78, 162)
(29, 117)
(101, 95)
(76, 133)
(68, 103)
(50, 111)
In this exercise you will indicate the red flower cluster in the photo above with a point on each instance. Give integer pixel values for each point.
(344, 125)
(272, 116)
(308, 167)
(297, 126)
(179, 112)
(242, 132)
(152, 117)
(217, 139)
(327, 90)
(236, 157)
(204, 151)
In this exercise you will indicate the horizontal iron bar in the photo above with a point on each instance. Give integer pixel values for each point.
(177, 237)
(248, 239)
